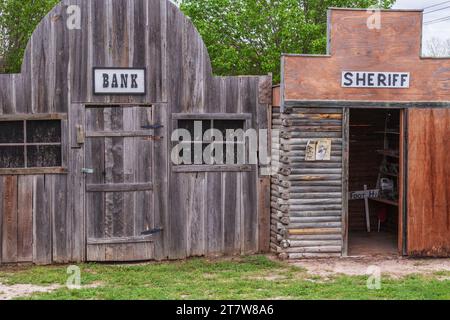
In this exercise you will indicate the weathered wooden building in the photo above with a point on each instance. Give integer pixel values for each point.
(364, 143)
(85, 141)
(360, 142)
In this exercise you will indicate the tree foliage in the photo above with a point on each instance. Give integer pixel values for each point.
(248, 36)
(242, 36)
(18, 19)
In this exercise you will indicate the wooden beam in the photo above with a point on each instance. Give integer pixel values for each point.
(119, 187)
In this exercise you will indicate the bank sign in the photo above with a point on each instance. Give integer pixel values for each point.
(368, 79)
(122, 81)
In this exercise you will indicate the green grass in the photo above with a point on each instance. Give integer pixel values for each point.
(255, 277)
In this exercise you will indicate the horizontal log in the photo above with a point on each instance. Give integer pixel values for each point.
(313, 189)
(314, 201)
(313, 177)
(314, 225)
(318, 213)
(316, 237)
(314, 243)
(328, 207)
(314, 171)
(316, 231)
(294, 256)
(315, 219)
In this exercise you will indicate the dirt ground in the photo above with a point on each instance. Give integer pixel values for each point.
(21, 290)
(394, 266)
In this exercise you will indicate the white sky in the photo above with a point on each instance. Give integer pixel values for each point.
(438, 30)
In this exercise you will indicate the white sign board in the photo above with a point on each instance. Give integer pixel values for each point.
(122, 81)
(368, 79)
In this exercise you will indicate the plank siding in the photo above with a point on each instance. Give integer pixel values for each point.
(56, 77)
(429, 176)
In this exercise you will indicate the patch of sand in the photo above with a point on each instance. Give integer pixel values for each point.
(22, 290)
(395, 267)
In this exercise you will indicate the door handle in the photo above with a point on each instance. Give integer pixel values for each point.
(87, 171)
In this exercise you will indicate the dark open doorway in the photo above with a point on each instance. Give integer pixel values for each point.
(374, 164)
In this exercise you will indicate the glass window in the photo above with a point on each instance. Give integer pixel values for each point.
(220, 125)
(30, 144)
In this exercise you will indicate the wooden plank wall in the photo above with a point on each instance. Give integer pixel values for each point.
(306, 196)
(428, 218)
(56, 77)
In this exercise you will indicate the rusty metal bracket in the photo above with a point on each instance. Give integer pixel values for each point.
(153, 138)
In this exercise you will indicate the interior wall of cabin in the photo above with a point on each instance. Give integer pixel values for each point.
(367, 139)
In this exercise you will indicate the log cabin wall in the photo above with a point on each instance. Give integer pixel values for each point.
(307, 197)
(42, 213)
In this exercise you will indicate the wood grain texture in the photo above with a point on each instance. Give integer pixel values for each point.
(428, 182)
(56, 81)
(307, 197)
(396, 47)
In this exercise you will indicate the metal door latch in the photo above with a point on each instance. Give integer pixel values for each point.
(87, 171)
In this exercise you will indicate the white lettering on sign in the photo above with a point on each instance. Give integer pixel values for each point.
(367, 79)
(119, 81)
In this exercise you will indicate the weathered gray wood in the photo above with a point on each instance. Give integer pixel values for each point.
(119, 187)
(10, 227)
(101, 134)
(60, 221)
(345, 173)
(212, 168)
(134, 239)
(42, 219)
(56, 83)
(25, 219)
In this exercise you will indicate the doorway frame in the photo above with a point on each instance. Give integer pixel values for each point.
(402, 205)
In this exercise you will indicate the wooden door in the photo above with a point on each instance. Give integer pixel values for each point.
(119, 196)
(428, 182)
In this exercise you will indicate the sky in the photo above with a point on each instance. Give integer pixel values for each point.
(438, 30)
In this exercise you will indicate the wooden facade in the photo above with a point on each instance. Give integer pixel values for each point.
(311, 212)
(116, 181)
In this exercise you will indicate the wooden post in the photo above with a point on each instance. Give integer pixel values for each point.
(366, 205)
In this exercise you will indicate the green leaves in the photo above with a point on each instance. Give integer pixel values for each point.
(18, 19)
(247, 37)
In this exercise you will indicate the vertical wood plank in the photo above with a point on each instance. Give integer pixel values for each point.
(10, 228)
(61, 225)
(345, 173)
(42, 220)
(76, 187)
(160, 177)
(25, 219)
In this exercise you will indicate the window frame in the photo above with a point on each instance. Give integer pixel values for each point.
(186, 168)
(62, 169)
